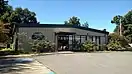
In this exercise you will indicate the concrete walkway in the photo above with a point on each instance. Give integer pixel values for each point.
(19, 65)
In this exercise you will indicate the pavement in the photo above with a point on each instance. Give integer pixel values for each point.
(21, 64)
(88, 63)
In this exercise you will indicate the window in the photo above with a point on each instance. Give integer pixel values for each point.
(91, 38)
(94, 40)
(38, 35)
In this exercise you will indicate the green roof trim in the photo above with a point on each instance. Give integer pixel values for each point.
(61, 26)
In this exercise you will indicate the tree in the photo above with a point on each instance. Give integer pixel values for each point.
(3, 6)
(73, 21)
(128, 32)
(116, 20)
(3, 36)
(14, 16)
(24, 16)
(85, 25)
(18, 15)
(126, 24)
(128, 17)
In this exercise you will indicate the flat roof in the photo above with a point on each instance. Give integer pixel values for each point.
(31, 25)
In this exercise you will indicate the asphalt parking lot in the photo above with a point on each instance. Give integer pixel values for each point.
(89, 63)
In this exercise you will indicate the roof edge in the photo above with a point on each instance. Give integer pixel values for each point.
(62, 25)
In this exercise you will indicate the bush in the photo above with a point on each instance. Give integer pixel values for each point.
(76, 45)
(89, 46)
(103, 47)
(114, 45)
(117, 42)
(36, 44)
(42, 46)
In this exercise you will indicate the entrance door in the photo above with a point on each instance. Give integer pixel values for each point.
(63, 42)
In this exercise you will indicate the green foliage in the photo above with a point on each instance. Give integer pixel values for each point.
(24, 42)
(18, 15)
(116, 19)
(85, 25)
(117, 42)
(114, 45)
(128, 32)
(42, 45)
(73, 21)
(2, 6)
(37, 45)
(3, 37)
(89, 46)
(76, 44)
(103, 47)
(126, 24)
(116, 29)
(128, 17)
(22, 37)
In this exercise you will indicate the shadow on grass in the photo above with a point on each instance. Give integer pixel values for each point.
(12, 65)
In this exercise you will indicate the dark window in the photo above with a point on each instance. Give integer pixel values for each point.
(38, 35)
(92, 38)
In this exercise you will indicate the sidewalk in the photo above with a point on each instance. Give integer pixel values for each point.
(21, 65)
(12, 64)
(35, 68)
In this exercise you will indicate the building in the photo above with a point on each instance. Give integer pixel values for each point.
(65, 35)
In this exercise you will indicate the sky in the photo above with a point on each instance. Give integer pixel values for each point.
(98, 13)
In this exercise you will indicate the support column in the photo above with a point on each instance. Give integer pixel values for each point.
(86, 38)
(55, 41)
(80, 38)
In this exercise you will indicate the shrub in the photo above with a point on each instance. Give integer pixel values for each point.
(103, 47)
(42, 45)
(76, 45)
(117, 42)
(89, 46)
(23, 41)
(114, 45)
(37, 44)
